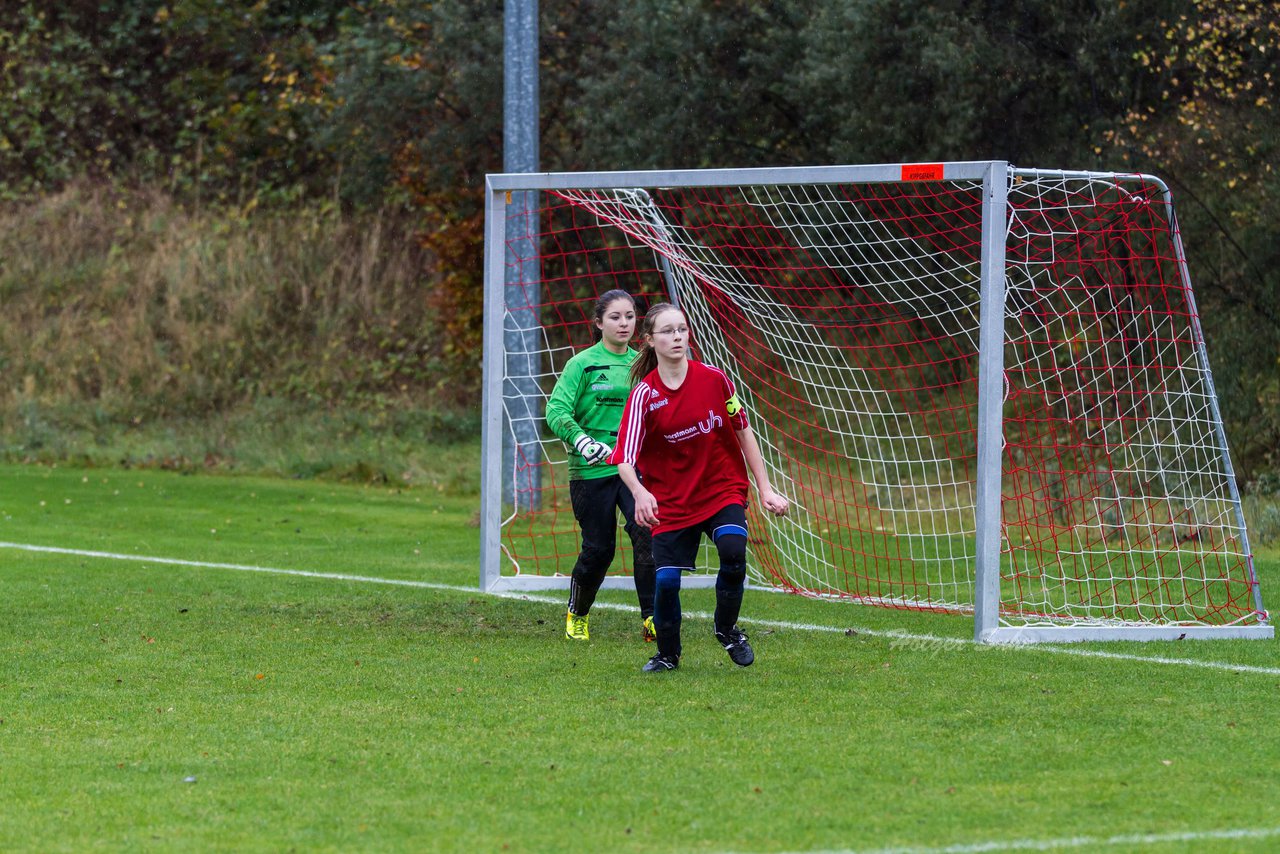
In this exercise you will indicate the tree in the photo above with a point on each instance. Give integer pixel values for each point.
(674, 84)
(1210, 125)
(79, 80)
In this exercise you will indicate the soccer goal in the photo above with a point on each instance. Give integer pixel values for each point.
(984, 388)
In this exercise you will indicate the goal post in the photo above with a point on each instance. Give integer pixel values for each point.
(983, 388)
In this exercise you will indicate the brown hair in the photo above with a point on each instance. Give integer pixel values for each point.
(603, 301)
(647, 359)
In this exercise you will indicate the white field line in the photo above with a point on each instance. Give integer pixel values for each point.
(1127, 841)
(904, 640)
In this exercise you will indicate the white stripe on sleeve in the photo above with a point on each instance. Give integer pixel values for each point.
(631, 431)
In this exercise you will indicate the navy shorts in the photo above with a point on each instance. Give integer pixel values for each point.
(679, 548)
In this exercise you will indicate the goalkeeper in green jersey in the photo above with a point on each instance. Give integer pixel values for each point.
(584, 411)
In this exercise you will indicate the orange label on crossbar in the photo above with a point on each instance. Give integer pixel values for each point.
(922, 172)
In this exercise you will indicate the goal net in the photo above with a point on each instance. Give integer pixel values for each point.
(983, 388)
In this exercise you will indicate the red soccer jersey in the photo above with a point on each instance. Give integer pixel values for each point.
(684, 444)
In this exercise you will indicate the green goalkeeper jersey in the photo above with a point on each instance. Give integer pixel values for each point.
(588, 398)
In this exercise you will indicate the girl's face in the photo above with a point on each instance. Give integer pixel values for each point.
(618, 324)
(670, 336)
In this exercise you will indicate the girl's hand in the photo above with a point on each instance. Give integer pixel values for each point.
(646, 509)
(773, 502)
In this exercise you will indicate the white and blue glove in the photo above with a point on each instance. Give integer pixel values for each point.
(592, 452)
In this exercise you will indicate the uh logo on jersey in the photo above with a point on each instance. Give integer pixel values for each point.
(701, 428)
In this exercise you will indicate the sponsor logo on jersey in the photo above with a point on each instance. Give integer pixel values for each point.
(701, 428)
(659, 404)
(681, 435)
(601, 386)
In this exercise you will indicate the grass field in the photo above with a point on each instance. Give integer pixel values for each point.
(308, 666)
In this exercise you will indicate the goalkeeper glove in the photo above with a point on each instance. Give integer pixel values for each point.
(592, 451)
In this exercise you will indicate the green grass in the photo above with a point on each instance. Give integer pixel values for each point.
(323, 714)
(268, 437)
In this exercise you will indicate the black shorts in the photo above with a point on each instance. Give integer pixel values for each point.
(679, 548)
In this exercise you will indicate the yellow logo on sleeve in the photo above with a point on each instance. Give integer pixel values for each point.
(733, 406)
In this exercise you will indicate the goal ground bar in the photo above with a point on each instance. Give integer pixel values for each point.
(1073, 634)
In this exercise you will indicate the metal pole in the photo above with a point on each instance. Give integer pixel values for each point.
(660, 226)
(521, 329)
(493, 428)
(986, 592)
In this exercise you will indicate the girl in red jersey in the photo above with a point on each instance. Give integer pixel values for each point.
(684, 447)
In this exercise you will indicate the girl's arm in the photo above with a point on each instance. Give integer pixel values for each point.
(561, 406)
(772, 501)
(630, 437)
(561, 403)
(646, 504)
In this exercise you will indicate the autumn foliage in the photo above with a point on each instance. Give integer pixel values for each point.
(364, 114)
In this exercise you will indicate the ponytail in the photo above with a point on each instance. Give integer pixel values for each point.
(646, 360)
